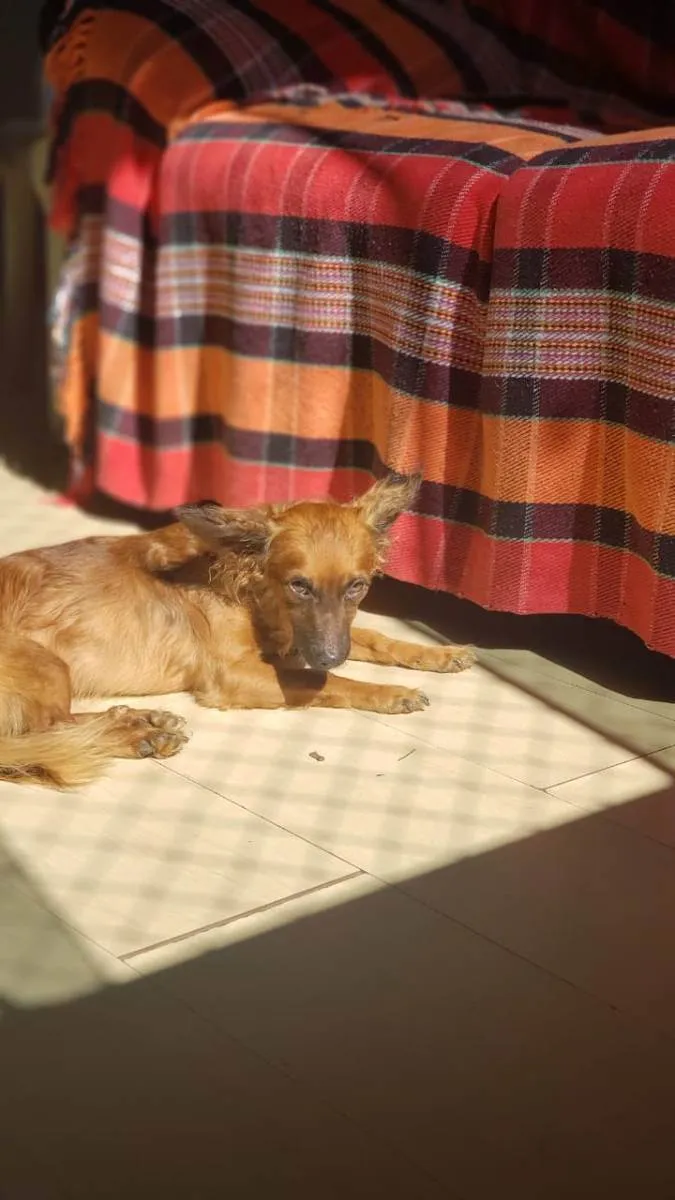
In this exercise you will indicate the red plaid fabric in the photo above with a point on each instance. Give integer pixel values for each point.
(279, 292)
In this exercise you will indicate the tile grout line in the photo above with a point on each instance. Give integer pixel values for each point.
(164, 766)
(377, 719)
(260, 908)
(588, 774)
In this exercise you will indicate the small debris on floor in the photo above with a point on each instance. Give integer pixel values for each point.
(407, 754)
(316, 756)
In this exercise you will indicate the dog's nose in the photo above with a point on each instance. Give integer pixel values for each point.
(328, 660)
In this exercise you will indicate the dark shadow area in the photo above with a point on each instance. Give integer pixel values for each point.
(379, 1048)
(605, 653)
(30, 441)
(29, 437)
(30, 446)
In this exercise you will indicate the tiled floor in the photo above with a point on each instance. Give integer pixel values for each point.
(334, 955)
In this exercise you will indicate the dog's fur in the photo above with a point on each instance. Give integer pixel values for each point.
(241, 608)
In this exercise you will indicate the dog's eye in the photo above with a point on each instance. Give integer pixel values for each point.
(355, 588)
(301, 587)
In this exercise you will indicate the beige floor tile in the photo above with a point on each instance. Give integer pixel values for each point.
(31, 518)
(130, 1094)
(253, 925)
(540, 739)
(43, 961)
(496, 1077)
(145, 855)
(639, 794)
(382, 801)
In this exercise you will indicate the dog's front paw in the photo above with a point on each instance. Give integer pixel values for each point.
(452, 659)
(445, 659)
(403, 700)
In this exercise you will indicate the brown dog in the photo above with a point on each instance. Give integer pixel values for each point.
(241, 608)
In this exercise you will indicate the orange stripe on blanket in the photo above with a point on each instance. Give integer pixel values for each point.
(579, 462)
(547, 462)
(255, 394)
(550, 462)
(136, 54)
(74, 388)
(293, 399)
(384, 122)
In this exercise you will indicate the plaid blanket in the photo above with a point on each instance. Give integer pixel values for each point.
(298, 257)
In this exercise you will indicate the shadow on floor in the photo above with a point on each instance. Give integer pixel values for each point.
(378, 1049)
(30, 441)
(29, 435)
(594, 648)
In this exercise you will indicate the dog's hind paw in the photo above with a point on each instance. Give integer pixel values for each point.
(160, 745)
(146, 732)
(168, 722)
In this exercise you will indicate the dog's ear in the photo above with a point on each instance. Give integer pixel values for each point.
(247, 530)
(386, 500)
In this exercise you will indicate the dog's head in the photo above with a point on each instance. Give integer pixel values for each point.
(312, 562)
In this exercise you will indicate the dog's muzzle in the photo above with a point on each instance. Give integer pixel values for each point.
(329, 652)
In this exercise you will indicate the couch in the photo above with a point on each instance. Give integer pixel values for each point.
(311, 241)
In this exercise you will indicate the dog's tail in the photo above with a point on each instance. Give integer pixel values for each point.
(67, 756)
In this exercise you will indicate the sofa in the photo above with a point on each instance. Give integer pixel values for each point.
(310, 242)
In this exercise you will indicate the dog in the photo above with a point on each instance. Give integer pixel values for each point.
(241, 608)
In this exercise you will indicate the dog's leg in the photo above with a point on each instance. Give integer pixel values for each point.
(262, 685)
(370, 646)
(34, 686)
(41, 741)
